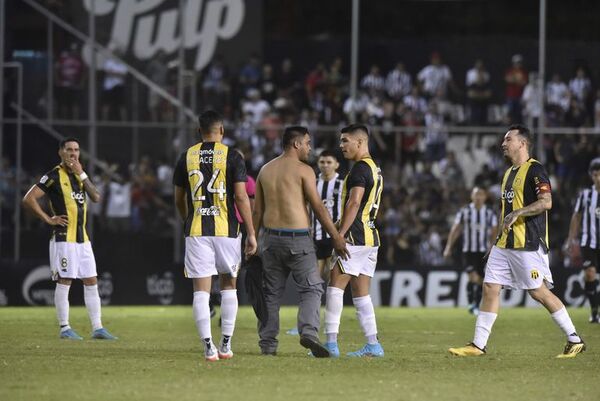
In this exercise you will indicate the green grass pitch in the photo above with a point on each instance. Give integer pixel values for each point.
(159, 357)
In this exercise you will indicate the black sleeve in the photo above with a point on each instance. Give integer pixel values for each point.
(360, 176)
(539, 179)
(47, 180)
(237, 167)
(180, 172)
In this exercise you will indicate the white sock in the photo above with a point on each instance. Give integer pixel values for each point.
(563, 320)
(366, 317)
(483, 328)
(61, 302)
(202, 314)
(229, 308)
(92, 304)
(333, 312)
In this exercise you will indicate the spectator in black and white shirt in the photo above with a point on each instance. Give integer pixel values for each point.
(398, 83)
(373, 83)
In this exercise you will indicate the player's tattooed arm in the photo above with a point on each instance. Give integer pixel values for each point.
(91, 190)
(543, 203)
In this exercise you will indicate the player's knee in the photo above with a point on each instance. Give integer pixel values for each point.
(491, 290)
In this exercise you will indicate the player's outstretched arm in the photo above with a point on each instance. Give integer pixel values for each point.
(30, 201)
(574, 227)
(321, 213)
(452, 237)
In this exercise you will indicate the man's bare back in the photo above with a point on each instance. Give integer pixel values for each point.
(282, 181)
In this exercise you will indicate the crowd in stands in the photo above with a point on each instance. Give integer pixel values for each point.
(426, 181)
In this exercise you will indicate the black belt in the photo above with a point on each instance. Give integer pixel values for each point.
(284, 233)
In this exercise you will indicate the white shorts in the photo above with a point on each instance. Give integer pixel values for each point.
(72, 260)
(519, 270)
(208, 256)
(363, 260)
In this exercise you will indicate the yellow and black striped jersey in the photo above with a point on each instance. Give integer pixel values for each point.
(365, 173)
(521, 187)
(67, 197)
(208, 171)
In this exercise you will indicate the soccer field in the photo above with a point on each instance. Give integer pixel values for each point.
(159, 357)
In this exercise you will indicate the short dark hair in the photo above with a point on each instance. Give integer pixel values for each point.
(291, 134)
(352, 128)
(63, 143)
(328, 153)
(522, 130)
(594, 165)
(208, 119)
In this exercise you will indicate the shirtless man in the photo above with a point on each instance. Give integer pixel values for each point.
(283, 188)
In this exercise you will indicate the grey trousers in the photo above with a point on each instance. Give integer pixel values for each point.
(282, 256)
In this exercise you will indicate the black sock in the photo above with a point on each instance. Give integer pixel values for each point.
(470, 292)
(592, 296)
(477, 289)
(226, 340)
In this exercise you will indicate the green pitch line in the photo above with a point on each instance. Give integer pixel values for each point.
(159, 357)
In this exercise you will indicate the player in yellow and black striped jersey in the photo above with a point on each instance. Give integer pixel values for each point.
(364, 174)
(361, 195)
(521, 186)
(67, 188)
(519, 259)
(209, 179)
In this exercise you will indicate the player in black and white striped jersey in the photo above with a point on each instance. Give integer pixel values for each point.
(479, 226)
(329, 187)
(586, 218)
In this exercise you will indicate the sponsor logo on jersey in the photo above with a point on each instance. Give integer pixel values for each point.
(78, 196)
(43, 179)
(209, 211)
(508, 196)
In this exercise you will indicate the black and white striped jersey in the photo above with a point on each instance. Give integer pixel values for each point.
(589, 206)
(476, 225)
(331, 196)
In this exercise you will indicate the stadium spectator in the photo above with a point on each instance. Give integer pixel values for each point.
(479, 94)
(158, 72)
(255, 106)
(557, 100)
(515, 78)
(216, 87)
(115, 73)
(69, 80)
(580, 86)
(373, 83)
(250, 74)
(398, 83)
(435, 77)
(282, 189)
(531, 100)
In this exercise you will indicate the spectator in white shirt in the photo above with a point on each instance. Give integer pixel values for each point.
(256, 106)
(435, 77)
(115, 72)
(557, 99)
(580, 86)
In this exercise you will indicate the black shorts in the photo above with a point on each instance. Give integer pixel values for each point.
(324, 248)
(474, 262)
(590, 257)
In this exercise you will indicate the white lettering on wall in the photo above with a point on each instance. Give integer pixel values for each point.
(145, 33)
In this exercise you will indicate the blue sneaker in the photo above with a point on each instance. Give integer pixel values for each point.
(293, 332)
(103, 334)
(334, 351)
(70, 334)
(373, 350)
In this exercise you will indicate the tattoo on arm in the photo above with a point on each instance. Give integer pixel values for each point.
(91, 189)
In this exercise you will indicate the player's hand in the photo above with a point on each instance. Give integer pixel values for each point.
(75, 166)
(509, 220)
(447, 253)
(61, 220)
(251, 246)
(568, 246)
(339, 244)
